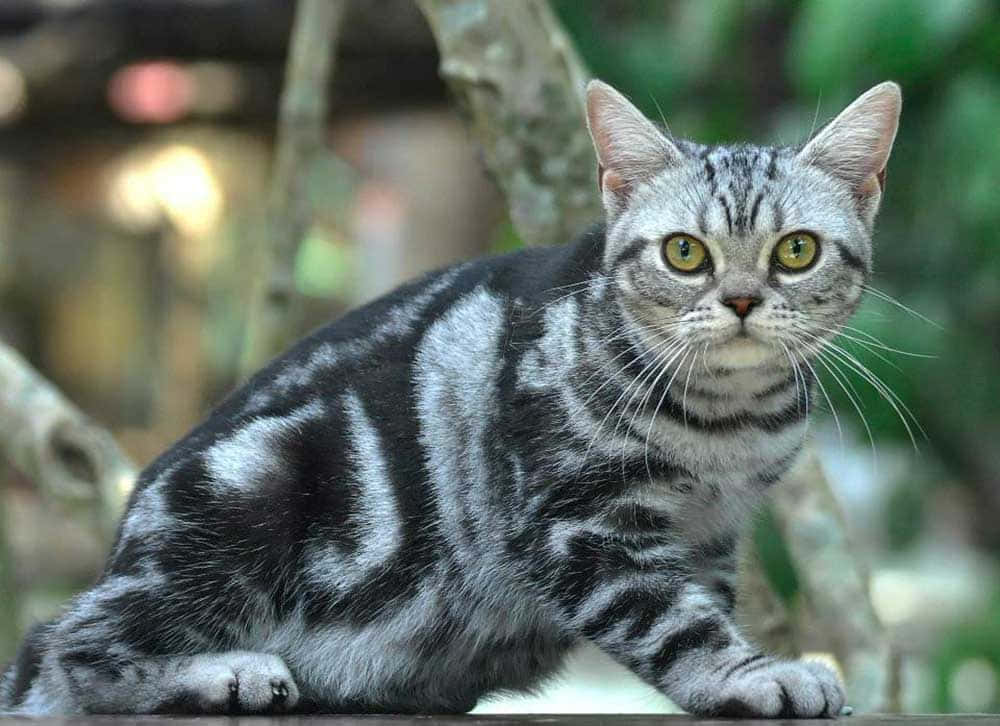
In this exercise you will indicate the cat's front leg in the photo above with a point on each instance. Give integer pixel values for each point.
(655, 617)
(716, 568)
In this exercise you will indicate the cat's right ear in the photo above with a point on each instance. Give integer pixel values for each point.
(855, 146)
(630, 149)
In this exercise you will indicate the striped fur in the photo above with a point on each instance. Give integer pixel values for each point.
(433, 498)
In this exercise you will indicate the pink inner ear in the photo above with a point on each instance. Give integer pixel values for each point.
(610, 180)
(881, 179)
(871, 186)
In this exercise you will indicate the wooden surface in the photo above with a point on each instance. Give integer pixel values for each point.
(541, 720)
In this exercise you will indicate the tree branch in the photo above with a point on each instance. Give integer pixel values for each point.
(299, 143)
(517, 75)
(53, 443)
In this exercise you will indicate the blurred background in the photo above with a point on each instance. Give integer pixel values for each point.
(135, 152)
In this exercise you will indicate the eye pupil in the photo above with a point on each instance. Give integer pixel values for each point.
(796, 251)
(684, 253)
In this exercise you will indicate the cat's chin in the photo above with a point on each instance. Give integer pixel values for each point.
(740, 352)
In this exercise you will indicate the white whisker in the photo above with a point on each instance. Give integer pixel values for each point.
(902, 410)
(829, 402)
(687, 382)
(649, 365)
(642, 407)
(893, 301)
(852, 395)
(663, 367)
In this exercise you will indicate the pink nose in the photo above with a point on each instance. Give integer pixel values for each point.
(741, 305)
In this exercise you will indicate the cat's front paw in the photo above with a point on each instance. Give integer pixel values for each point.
(782, 690)
(244, 682)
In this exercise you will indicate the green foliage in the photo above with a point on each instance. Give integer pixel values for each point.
(875, 39)
(978, 638)
(655, 52)
(506, 238)
(905, 515)
(775, 557)
(323, 266)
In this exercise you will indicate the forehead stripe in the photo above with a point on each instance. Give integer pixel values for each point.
(703, 217)
(779, 216)
(756, 209)
(772, 166)
(729, 216)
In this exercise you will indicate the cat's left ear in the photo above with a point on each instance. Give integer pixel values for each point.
(630, 149)
(855, 146)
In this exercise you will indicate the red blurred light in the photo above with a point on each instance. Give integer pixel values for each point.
(151, 92)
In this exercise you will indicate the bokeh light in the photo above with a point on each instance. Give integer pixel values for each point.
(151, 92)
(973, 686)
(13, 92)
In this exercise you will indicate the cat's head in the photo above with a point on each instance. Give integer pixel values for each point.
(741, 251)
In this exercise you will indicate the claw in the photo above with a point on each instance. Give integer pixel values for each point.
(279, 692)
(234, 695)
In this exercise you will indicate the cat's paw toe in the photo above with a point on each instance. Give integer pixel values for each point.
(217, 688)
(784, 690)
(279, 692)
(242, 683)
(233, 691)
(833, 690)
(265, 684)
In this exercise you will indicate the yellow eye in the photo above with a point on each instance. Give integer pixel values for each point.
(684, 253)
(796, 251)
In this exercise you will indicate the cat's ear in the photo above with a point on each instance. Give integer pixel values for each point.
(855, 146)
(630, 149)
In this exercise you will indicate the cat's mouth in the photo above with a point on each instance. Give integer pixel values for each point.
(741, 349)
(738, 335)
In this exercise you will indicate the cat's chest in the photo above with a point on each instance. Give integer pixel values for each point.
(699, 511)
(716, 489)
(739, 459)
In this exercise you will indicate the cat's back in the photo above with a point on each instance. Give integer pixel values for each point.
(352, 430)
(376, 346)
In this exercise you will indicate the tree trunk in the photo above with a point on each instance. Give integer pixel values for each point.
(837, 615)
(519, 79)
(53, 443)
(299, 143)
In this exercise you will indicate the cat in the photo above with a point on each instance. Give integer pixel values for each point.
(434, 498)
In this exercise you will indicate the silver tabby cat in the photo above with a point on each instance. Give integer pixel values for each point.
(435, 497)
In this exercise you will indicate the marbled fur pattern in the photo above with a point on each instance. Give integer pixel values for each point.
(433, 498)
